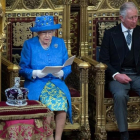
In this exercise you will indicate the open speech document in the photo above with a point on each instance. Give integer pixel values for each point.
(54, 69)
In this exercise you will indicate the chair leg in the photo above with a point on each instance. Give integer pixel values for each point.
(101, 135)
(85, 133)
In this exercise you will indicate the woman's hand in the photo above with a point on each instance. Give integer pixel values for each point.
(58, 74)
(38, 73)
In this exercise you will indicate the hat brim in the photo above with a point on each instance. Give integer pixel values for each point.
(45, 28)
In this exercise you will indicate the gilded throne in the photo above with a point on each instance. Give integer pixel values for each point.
(101, 116)
(19, 17)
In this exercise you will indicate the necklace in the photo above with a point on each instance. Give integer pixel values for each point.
(46, 48)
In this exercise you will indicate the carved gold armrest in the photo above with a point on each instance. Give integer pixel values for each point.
(97, 84)
(9, 71)
(79, 80)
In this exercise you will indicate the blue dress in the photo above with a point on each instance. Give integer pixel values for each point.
(34, 57)
(53, 98)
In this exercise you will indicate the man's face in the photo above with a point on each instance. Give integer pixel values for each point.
(130, 20)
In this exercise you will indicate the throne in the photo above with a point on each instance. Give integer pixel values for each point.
(100, 100)
(19, 20)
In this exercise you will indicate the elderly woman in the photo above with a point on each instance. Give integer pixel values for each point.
(50, 88)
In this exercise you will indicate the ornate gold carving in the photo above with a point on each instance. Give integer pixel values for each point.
(102, 27)
(102, 134)
(76, 112)
(84, 65)
(105, 5)
(75, 1)
(1, 11)
(9, 4)
(138, 2)
(32, 4)
(83, 3)
(133, 113)
(110, 117)
(84, 76)
(3, 37)
(77, 99)
(67, 2)
(115, 3)
(16, 58)
(21, 32)
(131, 100)
(94, 2)
(85, 132)
(58, 2)
(45, 5)
(74, 33)
(19, 5)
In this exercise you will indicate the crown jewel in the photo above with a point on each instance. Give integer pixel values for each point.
(16, 96)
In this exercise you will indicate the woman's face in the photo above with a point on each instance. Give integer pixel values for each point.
(45, 37)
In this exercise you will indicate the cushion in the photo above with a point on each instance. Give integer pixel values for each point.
(74, 92)
(33, 109)
(108, 94)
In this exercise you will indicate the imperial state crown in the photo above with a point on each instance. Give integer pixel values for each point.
(16, 96)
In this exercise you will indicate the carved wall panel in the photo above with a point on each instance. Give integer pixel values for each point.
(101, 27)
(115, 4)
(58, 2)
(138, 3)
(97, 26)
(74, 32)
(33, 4)
(18, 31)
(9, 4)
(75, 1)
(94, 2)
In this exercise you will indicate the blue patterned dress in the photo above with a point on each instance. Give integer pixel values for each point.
(53, 98)
(34, 57)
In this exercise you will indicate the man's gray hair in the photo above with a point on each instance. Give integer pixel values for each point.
(125, 7)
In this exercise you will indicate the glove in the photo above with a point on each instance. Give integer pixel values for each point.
(58, 74)
(38, 73)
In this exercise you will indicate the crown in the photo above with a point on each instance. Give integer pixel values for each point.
(16, 96)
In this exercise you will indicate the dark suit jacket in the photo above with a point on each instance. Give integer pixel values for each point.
(112, 51)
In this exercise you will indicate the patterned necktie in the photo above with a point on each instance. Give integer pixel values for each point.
(128, 37)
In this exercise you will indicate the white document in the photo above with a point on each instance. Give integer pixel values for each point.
(54, 69)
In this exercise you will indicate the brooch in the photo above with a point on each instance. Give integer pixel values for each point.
(55, 45)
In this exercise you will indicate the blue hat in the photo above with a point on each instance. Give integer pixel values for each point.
(44, 23)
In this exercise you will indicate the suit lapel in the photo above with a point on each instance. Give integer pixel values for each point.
(118, 38)
(136, 43)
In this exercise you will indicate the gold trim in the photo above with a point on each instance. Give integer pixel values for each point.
(29, 116)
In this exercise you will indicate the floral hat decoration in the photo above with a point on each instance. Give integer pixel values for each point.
(44, 23)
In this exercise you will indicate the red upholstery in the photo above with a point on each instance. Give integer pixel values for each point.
(74, 92)
(33, 109)
(108, 94)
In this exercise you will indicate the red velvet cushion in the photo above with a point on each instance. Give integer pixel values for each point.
(33, 109)
(74, 92)
(108, 94)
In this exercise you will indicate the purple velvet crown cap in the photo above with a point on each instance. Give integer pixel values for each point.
(13, 93)
(44, 23)
(16, 96)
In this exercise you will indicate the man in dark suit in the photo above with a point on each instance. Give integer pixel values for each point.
(120, 51)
